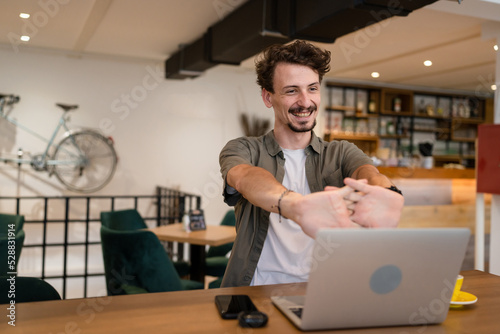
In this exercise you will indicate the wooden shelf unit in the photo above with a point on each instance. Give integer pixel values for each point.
(399, 115)
(366, 143)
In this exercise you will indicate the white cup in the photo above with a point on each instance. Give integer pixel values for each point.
(427, 162)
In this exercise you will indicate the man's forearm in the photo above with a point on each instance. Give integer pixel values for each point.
(372, 175)
(257, 185)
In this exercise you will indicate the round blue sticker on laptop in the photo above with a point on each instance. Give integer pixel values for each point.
(386, 279)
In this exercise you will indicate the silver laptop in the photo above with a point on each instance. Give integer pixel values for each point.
(378, 277)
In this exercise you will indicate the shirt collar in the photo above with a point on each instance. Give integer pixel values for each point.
(273, 148)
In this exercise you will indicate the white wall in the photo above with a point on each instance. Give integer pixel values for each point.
(166, 132)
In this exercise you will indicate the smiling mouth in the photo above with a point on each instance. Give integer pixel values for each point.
(302, 112)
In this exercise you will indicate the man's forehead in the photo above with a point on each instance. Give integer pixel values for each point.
(287, 74)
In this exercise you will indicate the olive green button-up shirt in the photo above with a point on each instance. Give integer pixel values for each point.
(327, 164)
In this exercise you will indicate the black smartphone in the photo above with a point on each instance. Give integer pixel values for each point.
(230, 306)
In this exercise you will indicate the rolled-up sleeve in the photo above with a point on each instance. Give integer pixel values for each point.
(236, 152)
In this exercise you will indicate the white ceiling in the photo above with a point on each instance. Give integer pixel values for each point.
(454, 36)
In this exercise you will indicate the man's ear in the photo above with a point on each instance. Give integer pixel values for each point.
(266, 97)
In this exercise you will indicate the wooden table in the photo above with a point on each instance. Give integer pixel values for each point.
(194, 312)
(214, 235)
(423, 173)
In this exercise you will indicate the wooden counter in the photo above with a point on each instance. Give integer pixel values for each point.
(194, 312)
(437, 186)
(444, 216)
(422, 173)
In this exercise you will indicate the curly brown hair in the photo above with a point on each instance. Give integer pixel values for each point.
(298, 52)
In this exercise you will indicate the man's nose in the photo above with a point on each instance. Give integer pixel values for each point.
(304, 100)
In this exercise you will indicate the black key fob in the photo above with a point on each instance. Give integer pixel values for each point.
(253, 319)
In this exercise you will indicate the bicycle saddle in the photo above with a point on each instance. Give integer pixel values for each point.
(67, 107)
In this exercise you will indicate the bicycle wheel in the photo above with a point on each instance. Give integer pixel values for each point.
(85, 161)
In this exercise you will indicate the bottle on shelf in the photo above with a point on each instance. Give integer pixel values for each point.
(399, 128)
(383, 127)
(372, 107)
(421, 107)
(396, 104)
(391, 128)
(360, 108)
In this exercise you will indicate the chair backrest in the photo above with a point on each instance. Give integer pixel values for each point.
(6, 264)
(123, 220)
(136, 259)
(228, 220)
(28, 289)
(7, 219)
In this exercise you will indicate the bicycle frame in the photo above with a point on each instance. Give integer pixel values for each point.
(83, 160)
(50, 142)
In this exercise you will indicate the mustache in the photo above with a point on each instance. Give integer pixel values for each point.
(300, 109)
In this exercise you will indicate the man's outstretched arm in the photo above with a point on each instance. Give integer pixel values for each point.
(311, 212)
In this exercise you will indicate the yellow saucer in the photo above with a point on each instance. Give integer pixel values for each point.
(464, 298)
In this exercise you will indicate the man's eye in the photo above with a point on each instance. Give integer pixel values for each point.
(291, 91)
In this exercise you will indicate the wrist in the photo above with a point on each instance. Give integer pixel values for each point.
(278, 205)
(395, 189)
(288, 205)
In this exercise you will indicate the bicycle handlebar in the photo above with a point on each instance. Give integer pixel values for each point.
(9, 99)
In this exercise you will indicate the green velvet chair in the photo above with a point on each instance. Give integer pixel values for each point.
(129, 220)
(216, 259)
(27, 289)
(136, 262)
(123, 220)
(5, 221)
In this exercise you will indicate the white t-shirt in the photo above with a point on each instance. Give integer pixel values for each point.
(286, 255)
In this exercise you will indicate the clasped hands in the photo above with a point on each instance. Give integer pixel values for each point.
(357, 204)
(372, 206)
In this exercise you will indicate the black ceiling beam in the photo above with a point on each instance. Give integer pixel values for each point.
(259, 23)
(240, 35)
(191, 60)
(246, 31)
(326, 20)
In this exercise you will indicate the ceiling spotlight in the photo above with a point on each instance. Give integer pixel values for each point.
(25, 38)
(375, 74)
(24, 15)
(493, 87)
(495, 47)
(428, 63)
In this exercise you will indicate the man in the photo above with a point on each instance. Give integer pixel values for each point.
(289, 183)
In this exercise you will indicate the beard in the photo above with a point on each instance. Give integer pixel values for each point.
(302, 127)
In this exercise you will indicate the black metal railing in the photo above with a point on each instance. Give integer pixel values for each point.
(51, 222)
(170, 210)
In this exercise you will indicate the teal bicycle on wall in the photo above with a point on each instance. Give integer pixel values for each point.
(84, 160)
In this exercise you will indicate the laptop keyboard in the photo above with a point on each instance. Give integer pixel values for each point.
(297, 311)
